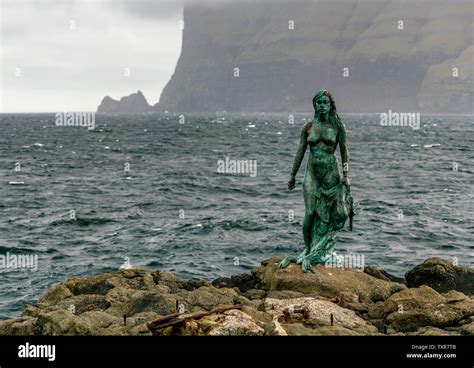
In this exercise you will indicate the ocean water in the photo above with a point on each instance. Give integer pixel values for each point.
(173, 211)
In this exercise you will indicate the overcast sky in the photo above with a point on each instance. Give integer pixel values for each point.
(66, 55)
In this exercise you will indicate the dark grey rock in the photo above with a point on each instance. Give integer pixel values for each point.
(442, 276)
(132, 104)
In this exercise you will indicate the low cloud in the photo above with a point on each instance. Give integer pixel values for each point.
(60, 55)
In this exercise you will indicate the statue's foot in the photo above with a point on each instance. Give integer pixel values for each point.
(307, 266)
(302, 256)
(286, 261)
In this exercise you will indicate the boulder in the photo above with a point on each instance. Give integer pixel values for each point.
(299, 329)
(468, 329)
(57, 323)
(124, 301)
(22, 326)
(432, 331)
(442, 276)
(325, 281)
(243, 282)
(61, 323)
(206, 297)
(121, 303)
(54, 295)
(320, 312)
(414, 308)
(237, 323)
(382, 274)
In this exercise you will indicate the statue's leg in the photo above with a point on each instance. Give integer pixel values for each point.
(322, 249)
(309, 191)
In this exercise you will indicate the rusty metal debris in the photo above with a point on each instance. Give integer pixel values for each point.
(176, 319)
(304, 311)
(339, 300)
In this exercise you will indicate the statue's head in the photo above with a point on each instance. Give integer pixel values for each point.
(323, 102)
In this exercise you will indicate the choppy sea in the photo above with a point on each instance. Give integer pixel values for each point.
(144, 191)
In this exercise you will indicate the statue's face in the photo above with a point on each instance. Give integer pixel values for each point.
(323, 105)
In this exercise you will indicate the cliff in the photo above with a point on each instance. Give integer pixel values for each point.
(132, 104)
(373, 55)
(409, 69)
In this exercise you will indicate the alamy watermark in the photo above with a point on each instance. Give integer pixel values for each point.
(78, 119)
(391, 118)
(230, 166)
(355, 261)
(37, 351)
(10, 261)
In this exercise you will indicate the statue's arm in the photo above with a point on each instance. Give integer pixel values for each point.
(344, 152)
(301, 151)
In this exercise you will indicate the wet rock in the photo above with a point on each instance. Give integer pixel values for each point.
(243, 282)
(325, 281)
(442, 276)
(382, 274)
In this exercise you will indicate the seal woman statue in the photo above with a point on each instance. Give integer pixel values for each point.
(327, 198)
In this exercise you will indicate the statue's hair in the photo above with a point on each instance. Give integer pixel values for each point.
(334, 118)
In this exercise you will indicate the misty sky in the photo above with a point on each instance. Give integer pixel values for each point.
(70, 54)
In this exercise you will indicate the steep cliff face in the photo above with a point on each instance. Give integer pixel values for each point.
(132, 104)
(399, 55)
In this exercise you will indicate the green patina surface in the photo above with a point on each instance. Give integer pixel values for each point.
(328, 202)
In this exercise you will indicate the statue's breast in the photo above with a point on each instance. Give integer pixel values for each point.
(314, 137)
(329, 136)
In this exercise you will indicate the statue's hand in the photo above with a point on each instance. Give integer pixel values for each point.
(291, 182)
(347, 183)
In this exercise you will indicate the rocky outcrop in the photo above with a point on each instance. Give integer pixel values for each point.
(382, 274)
(243, 282)
(268, 302)
(442, 276)
(325, 281)
(322, 313)
(132, 104)
(411, 309)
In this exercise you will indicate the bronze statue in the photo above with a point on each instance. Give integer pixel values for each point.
(328, 202)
